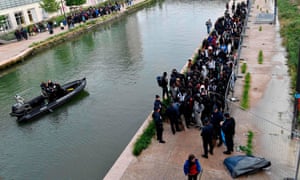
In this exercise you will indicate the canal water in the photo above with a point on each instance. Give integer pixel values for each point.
(82, 139)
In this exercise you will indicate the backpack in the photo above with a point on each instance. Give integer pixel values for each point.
(159, 80)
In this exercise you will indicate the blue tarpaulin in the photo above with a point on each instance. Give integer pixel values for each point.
(243, 164)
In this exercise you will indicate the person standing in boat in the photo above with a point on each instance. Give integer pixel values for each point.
(44, 90)
(53, 90)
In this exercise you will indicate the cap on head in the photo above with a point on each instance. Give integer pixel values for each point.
(216, 108)
(226, 115)
(205, 120)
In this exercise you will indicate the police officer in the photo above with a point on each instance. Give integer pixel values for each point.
(158, 124)
(228, 128)
(207, 135)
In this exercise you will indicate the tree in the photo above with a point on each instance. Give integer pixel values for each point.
(2, 20)
(75, 2)
(49, 5)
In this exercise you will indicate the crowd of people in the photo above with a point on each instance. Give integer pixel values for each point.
(197, 97)
(21, 34)
(92, 12)
(77, 16)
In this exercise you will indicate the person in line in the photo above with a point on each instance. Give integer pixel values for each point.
(187, 109)
(158, 125)
(192, 167)
(164, 85)
(208, 25)
(207, 136)
(24, 33)
(216, 119)
(18, 35)
(198, 108)
(50, 27)
(228, 128)
(62, 26)
(173, 116)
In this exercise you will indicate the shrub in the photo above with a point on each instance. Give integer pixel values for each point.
(248, 149)
(8, 36)
(165, 103)
(244, 68)
(260, 28)
(245, 96)
(260, 57)
(58, 19)
(144, 140)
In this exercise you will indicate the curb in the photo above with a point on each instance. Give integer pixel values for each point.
(126, 157)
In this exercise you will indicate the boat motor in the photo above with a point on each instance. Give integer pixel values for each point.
(19, 108)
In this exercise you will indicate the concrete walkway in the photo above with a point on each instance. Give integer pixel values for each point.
(10, 52)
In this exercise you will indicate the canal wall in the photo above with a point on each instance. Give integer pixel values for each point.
(79, 29)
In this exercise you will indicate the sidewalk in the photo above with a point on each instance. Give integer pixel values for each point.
(11, 52)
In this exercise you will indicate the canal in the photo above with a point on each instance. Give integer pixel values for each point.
(82, 139)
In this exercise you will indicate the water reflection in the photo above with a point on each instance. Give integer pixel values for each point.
(63, 54)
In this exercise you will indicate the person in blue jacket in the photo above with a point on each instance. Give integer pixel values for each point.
(192, 167)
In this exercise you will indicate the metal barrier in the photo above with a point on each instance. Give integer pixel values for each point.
(233, 76)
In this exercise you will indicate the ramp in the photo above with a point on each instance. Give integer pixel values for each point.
(264, 18)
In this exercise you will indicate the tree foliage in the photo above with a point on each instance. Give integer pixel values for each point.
(75, 2)
(49, 5)
(2, 18)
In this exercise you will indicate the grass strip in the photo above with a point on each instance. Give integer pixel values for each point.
(144, 140)
(288, 13)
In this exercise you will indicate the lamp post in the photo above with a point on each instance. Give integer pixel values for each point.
(63, 8)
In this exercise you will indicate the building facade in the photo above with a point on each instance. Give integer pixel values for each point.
(19, 13)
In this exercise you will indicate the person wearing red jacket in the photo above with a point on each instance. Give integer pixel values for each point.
(192, 167)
